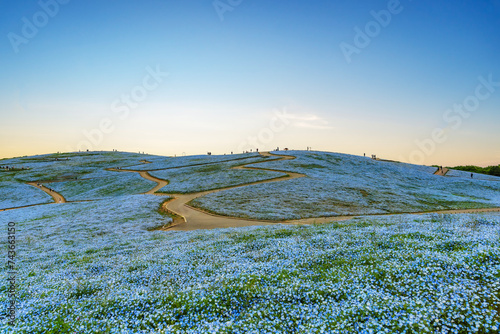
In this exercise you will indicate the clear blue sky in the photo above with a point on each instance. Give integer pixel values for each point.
(228, 78)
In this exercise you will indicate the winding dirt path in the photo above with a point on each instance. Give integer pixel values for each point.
(129, 168)
(198, 219)
(58, 198)
(186, 217)
(160, 183)
(190, 218)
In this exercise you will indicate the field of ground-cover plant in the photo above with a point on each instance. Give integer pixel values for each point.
(467, 175)
(341, 184)
(96, 268)
(160, 162)
(69, 165)
(104, 267)
(14, 194)
(110, 184)
(213, 176)
(83, 176)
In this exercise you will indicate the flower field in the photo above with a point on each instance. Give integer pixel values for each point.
(202, 178)
(95, 268)
(160, 162)
(15, 194)
(466, 175)
(112, 184)
(340, 184)
(103, 265)
(70, 165)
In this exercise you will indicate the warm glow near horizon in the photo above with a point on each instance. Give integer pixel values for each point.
(410, 81)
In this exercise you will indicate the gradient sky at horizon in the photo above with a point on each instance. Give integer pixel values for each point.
(228, 79)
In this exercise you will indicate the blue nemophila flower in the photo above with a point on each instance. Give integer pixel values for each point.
(94, 267)
(375, 187)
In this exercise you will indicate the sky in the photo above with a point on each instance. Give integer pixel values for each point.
(413, 81)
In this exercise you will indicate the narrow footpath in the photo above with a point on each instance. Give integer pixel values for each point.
(441, 171)
(186, 217)
(189, 218)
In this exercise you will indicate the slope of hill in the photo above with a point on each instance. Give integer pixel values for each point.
(79, 176)
(16, 194)
(157, 162)
(213, 176)
(490, 170)
(103, 266)
(467, 175)
(340, 184)
(109, 184)
(335, 184)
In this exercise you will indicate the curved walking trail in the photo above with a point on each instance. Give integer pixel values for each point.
(188, 218)
(58, 198)
(199, 219)
(160, 183)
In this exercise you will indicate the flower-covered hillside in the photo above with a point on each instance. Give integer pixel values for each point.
(340, 184)
(68, 166)
(94, 268)
(161, 162)
(110, 184)
(467, 175)
(83, 174)
(213, 176)
(15, 194)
